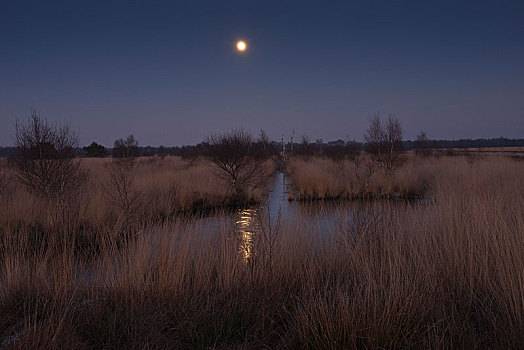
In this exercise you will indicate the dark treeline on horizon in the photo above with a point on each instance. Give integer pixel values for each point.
(316, 147)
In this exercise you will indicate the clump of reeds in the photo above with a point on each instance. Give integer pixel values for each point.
(323, 178)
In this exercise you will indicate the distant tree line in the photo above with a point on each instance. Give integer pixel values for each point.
(304, 147)
(94, 150)
(7, 151)
(191, 151)
(307, 147)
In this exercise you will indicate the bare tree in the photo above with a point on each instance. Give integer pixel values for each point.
(126, 148)
(44, 163)
(237, 160)
(394, 156)
(384, 142)
(375, 136)
(44, 160)
(422, 144)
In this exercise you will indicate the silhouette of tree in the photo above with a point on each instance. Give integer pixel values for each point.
(384, 142)
(237, 159)
(44, 160)
(127, 148)
(94, 150)
(422, 144)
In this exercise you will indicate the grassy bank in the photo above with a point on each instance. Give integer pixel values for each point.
(445, 275)
(323, 178)
(149, 190)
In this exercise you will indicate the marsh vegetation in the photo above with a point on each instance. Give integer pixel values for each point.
(127, 259)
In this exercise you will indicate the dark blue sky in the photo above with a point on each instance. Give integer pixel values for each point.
(168, 72)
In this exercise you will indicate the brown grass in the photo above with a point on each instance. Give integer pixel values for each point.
(449, 274)
(165, 187)
(485, 149)
(320, 178)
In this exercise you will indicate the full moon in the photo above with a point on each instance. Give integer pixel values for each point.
(241, 46)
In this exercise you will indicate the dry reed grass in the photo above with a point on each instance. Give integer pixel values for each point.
(449, 274)
(163, 186)
(321, 178)
(487, 149)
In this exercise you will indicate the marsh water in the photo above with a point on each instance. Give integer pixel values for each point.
(277, 208)
(319, 218)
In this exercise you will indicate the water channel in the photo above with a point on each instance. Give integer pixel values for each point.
(319, 218)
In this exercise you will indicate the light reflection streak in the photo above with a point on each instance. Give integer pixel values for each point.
(246, 226)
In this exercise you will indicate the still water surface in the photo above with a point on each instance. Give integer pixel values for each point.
(320, 218)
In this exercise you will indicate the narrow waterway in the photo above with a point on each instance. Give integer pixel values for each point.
(318, 218)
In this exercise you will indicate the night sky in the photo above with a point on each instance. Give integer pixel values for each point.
(169, 73)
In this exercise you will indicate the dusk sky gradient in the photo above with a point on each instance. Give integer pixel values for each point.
(168, 72)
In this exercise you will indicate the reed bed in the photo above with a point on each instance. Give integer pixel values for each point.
(159, 188)
(445, 274)
(323, 178)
